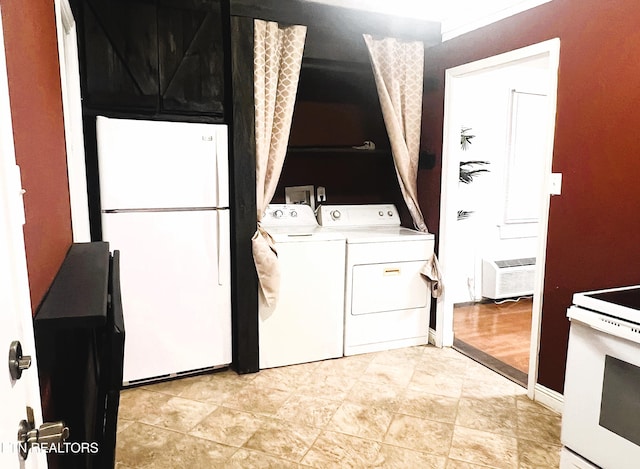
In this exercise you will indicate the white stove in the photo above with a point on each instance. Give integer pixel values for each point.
(387, 300)
(601, 407)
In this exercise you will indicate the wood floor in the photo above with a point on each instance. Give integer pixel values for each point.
(501, 331)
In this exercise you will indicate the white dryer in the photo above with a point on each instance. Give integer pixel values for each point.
(387, 300)
(307, 324)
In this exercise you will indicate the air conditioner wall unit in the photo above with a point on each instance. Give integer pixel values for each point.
(508, 278)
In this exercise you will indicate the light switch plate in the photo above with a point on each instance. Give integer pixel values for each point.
(556, 184)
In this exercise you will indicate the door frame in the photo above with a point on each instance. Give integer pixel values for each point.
(72, 114)
(449, 184)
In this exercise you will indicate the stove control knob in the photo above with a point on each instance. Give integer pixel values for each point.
(293, 214)
(381, 213)
(277, 214)
(390, 213)
(336, 214)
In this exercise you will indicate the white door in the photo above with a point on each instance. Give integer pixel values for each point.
(15, 310)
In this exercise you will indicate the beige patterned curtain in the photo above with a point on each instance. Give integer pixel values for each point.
(398, 68)
(277, 53)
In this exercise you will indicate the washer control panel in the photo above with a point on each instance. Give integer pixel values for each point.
(358, 215)
(289, 215)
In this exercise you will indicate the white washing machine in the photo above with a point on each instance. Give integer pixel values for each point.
(387, 300)
(307, 324)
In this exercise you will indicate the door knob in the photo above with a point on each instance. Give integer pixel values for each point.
(17, 362)
(46, 435)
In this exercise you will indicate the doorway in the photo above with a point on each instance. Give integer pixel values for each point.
(496, 166)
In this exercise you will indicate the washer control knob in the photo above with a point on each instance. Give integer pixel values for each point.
(277, 214)
(336, 214)
(381, 213)
(293, 214)
(390, 213)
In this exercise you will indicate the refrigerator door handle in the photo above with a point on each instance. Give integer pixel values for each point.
(218, 246)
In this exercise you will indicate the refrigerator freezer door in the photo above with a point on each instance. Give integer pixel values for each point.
(157, 164)
(175, 290)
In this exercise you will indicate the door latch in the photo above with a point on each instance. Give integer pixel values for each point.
(48, 434)
(17, 362)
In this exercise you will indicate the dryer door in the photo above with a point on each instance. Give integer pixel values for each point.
(377, 288)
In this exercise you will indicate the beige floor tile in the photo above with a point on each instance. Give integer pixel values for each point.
(524, 403)
(341, 451)
(283, 439)
(534, 455)
(419, 407)
(137, 403)
(333, 387)
(434, 362)
(455, 464)
(493, 387)
(346, 366)
(213, 389)
(431, 406)
(172, 387)
(147, 447)
(245, 459)
(228, 426)
(257, 399)
(484, 448)
(307, 410)
(419, 434)
(392, 457)
(490, 415)
(402, 357)
(391, 375)
(286, 378)
(383, 396)
(539, 427)
(123, 424)
(163, 410)
(361, 421)
(438, 384)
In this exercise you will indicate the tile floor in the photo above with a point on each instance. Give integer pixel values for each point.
(419, 407)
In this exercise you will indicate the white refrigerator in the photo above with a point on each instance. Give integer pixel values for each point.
(164, 198)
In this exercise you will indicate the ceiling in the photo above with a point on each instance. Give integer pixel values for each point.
(456, 16)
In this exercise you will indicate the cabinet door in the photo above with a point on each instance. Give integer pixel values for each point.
(120, 54)
(190, 49)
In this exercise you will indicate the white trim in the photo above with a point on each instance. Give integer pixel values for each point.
(72, 111)
(448, 209)
(543, 223)
(432, 337)
(455, 27)
(548, 398)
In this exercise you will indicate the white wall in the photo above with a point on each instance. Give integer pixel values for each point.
(487, 100)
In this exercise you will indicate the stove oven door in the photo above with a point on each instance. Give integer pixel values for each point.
(602, 390)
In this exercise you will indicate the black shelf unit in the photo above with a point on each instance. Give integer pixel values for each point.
(79, 332)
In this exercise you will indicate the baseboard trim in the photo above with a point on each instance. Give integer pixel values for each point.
(432, 336)
(548, 398)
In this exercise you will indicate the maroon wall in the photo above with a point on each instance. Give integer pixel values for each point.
(593, 225)
(36, 109)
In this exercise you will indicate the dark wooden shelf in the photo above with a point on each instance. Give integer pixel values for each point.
(77, 297)
(338, 150)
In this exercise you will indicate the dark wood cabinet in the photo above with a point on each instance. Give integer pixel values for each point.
(152, 56)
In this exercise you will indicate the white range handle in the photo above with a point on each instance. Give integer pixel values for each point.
(605, 324)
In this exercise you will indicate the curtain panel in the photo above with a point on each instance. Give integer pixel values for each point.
(398, 68)
(277, 61)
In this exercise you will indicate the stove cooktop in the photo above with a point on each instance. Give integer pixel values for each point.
(629, 298)
(622, 303)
